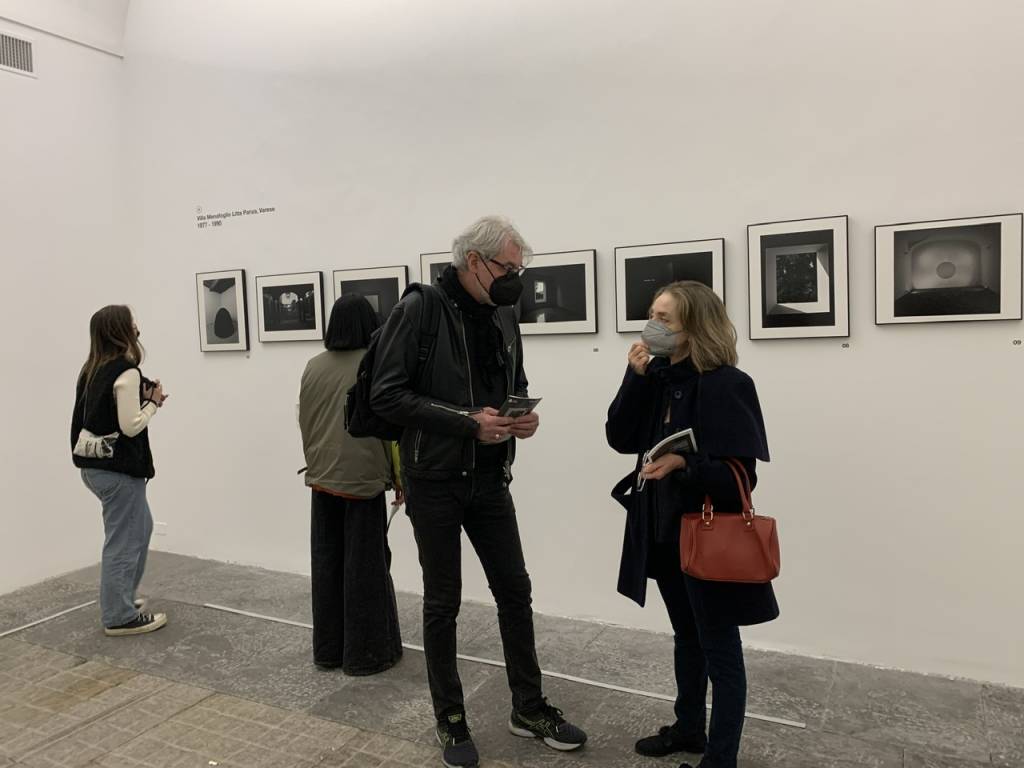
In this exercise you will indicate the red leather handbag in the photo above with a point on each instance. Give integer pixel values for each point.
(739, 547)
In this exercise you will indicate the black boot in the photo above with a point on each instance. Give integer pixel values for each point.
(670, 739)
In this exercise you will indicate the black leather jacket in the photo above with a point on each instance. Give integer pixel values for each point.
(439, 439)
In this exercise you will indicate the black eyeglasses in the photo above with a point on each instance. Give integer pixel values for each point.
(510, 269)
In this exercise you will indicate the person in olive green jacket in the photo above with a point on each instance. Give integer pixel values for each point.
(355, 616)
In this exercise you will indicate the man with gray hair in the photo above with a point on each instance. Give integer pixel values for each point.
(445, 385)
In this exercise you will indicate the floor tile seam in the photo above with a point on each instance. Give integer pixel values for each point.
(826, 709)
(985, 713)
(591, 641)
(92, 720)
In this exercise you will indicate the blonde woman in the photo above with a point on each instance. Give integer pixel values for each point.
(682, 375)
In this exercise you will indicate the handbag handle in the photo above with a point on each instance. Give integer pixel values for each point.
(739, 473)
(743, 481)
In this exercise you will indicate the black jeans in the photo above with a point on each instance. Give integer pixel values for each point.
(480, 504)
(355, 615)
(701, 652)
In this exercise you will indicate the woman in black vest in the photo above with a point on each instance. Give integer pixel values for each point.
(114, 403)
(682, 375)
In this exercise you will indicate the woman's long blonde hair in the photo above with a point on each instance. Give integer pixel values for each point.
(712, 336)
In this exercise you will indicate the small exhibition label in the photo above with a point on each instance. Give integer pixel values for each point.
(210, 220)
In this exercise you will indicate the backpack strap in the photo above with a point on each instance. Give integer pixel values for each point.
(430, 324)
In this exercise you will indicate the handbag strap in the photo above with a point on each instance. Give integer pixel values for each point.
(743, 481)
(739, 473)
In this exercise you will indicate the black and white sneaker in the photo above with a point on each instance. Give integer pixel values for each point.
(140, 625)
(457, 747)
(547, 723)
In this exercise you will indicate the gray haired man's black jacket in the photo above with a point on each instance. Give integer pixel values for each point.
(439, 439)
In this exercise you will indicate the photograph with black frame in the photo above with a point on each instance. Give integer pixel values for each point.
(559, 294)
(381, 286)
(290, 307)
(223, 311)
(641, 270)
(798, 274)
(432, 265)
(949, 270)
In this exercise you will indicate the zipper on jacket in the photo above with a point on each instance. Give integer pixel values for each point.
(416, 447)
(511, 391)
(469, 378)
(450, 410)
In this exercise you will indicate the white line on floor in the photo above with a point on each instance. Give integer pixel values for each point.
(47, 618)
(493, 663)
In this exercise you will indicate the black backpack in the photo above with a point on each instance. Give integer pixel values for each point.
(360, 420)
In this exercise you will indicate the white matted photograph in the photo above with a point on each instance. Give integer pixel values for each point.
(559, 294)
(640, 270)
(952, 270)
(223, 311)
(798, 273)
(290, 307)
(381, 286)
(432, 265)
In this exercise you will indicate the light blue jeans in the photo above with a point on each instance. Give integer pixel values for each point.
(127, 526)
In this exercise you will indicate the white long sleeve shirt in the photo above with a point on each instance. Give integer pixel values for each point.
(133, 415)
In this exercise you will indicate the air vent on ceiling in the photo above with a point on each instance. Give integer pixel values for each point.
(16, 55)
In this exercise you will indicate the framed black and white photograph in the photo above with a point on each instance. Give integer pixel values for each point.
(799, 278)
(640, 270)
(223, 312)
(381, 286)
(559, 294)
(950, 270)
(291, 307)
(432, 265)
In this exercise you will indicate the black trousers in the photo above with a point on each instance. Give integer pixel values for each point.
(481, 505)
(703, 652)
(355, 616)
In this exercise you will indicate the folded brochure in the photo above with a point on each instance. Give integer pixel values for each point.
(680, 442)
(514, 406)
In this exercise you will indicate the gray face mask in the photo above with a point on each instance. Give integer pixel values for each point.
(660, 340)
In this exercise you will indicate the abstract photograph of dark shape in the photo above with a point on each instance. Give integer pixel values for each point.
(947, 271)
(558, 294)
(950, 270)
(381, 286)
(221, 322)
(642, 270)
(797, 287)
(798, 278)
(291, 306)
(645, 276)
(222, 316)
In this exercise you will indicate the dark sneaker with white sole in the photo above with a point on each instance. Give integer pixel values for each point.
(457, 747)
(140, 625)
(668, 740)
(548, 724)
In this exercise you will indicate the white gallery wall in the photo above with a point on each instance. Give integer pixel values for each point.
(378, 130)
(63, 235)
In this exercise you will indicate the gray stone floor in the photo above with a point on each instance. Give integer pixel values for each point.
(215, 688)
